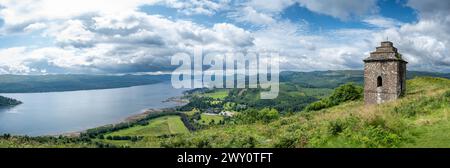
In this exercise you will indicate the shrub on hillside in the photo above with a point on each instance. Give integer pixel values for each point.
(324, 103)
(372, 137)
(343, 93)
(268, 115)
(253, 115)
(346, 92)
(243, 141)
(294, 139)
(447, 94)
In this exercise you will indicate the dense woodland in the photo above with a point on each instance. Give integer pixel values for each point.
(71, 82)
(5, 101)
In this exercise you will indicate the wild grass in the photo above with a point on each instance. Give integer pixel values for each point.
(220, 94)
(42, 142)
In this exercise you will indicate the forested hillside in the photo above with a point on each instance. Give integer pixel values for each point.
(6, 101)
(63, 82)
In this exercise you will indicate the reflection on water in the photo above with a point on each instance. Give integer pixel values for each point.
(61, 112)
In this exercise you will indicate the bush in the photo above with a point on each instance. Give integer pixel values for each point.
(447, 94)
(343, 93)
(267, 115)
(244, 141)
(318, 105)
(337, 126)
(175, 142)
(292, 140)
(371, 137)
(347, 92)
(253, 115)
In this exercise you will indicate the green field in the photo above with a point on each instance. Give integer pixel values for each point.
(206, 119)
(220, 94)
(167, 125)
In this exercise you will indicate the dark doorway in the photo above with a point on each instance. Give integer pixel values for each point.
(379, 81)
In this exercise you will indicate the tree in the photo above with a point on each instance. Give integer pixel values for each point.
(268, 115)
(5, 101)
(134, 138)
(252, 115)
(343, 93)
(346, 92)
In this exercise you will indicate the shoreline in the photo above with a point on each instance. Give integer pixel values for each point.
(132, 118)
(171, 101)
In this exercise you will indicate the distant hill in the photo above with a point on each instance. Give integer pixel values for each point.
(70, 82)
(332, 79)
(298, 89)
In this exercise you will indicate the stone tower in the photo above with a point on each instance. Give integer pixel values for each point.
(384, 75)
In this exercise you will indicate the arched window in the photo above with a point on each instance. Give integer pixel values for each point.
(379, 81)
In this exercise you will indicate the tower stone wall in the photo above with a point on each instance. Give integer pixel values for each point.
(384, 75)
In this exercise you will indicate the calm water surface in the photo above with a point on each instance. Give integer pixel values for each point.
(61, 112)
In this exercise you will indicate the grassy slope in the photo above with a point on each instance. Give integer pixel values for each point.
(220, 94)
(418, 120)
(166, 125)
(431, 129)
(20, 142)
(206, 119)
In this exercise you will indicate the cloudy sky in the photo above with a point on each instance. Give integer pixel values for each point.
(124, 36)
